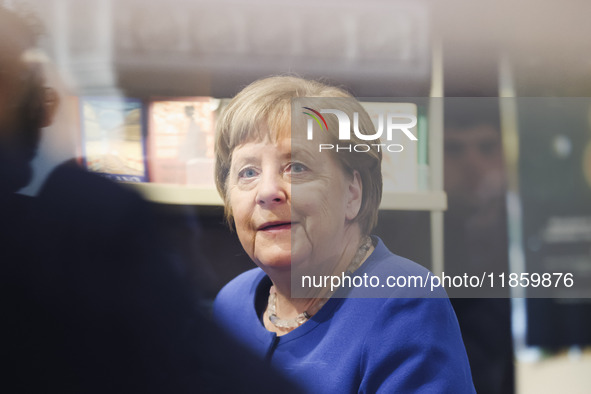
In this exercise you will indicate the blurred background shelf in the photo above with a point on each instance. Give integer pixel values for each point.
(177, 194)
(414, 201)
(195, 195)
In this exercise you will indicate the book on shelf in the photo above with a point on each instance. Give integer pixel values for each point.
(400, 167)
(181, 140)
(113, 137)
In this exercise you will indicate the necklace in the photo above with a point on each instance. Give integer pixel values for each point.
(307, 314)
(299, 319)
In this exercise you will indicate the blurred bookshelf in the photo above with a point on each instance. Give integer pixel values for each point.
(164, 149)
(199, 195)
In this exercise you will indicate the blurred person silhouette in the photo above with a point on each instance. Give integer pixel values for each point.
(90, 300)
(476, 235)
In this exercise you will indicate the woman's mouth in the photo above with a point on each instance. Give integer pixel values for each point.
(275, 226)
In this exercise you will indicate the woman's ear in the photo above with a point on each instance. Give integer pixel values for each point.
(354, 196)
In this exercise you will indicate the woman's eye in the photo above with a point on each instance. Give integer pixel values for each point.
(247, 173)
(296, 168)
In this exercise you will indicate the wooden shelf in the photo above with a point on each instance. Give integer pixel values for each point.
(177, 194)
(414, 201)
(194, 195)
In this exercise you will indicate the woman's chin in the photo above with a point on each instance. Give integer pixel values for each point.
(274, 259)
(275, 265)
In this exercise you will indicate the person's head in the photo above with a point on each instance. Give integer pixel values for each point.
(474, 165)
(263, 110)
(330, 187)
(25, 104)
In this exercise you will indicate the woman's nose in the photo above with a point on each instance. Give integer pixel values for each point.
(272, 190)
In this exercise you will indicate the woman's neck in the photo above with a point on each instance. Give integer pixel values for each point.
(288, 308)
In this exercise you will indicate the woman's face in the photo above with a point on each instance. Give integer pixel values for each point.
(292, 206)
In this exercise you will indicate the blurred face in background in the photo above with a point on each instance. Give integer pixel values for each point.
(474, 167)
(24, 108)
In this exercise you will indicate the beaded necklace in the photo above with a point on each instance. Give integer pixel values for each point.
(307, 314)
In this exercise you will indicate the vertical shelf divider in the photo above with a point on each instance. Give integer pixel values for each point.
(436, 154)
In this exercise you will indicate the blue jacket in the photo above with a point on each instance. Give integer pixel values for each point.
(366, 345)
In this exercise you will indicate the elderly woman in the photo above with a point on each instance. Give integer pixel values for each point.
(298, 209)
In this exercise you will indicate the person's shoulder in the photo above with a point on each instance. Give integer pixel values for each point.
(238, 289)
(246, 281)
(89, 201)
(73, 184)
(384, 260)
(392, 276)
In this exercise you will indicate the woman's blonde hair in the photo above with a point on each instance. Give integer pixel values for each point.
(266, 105)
